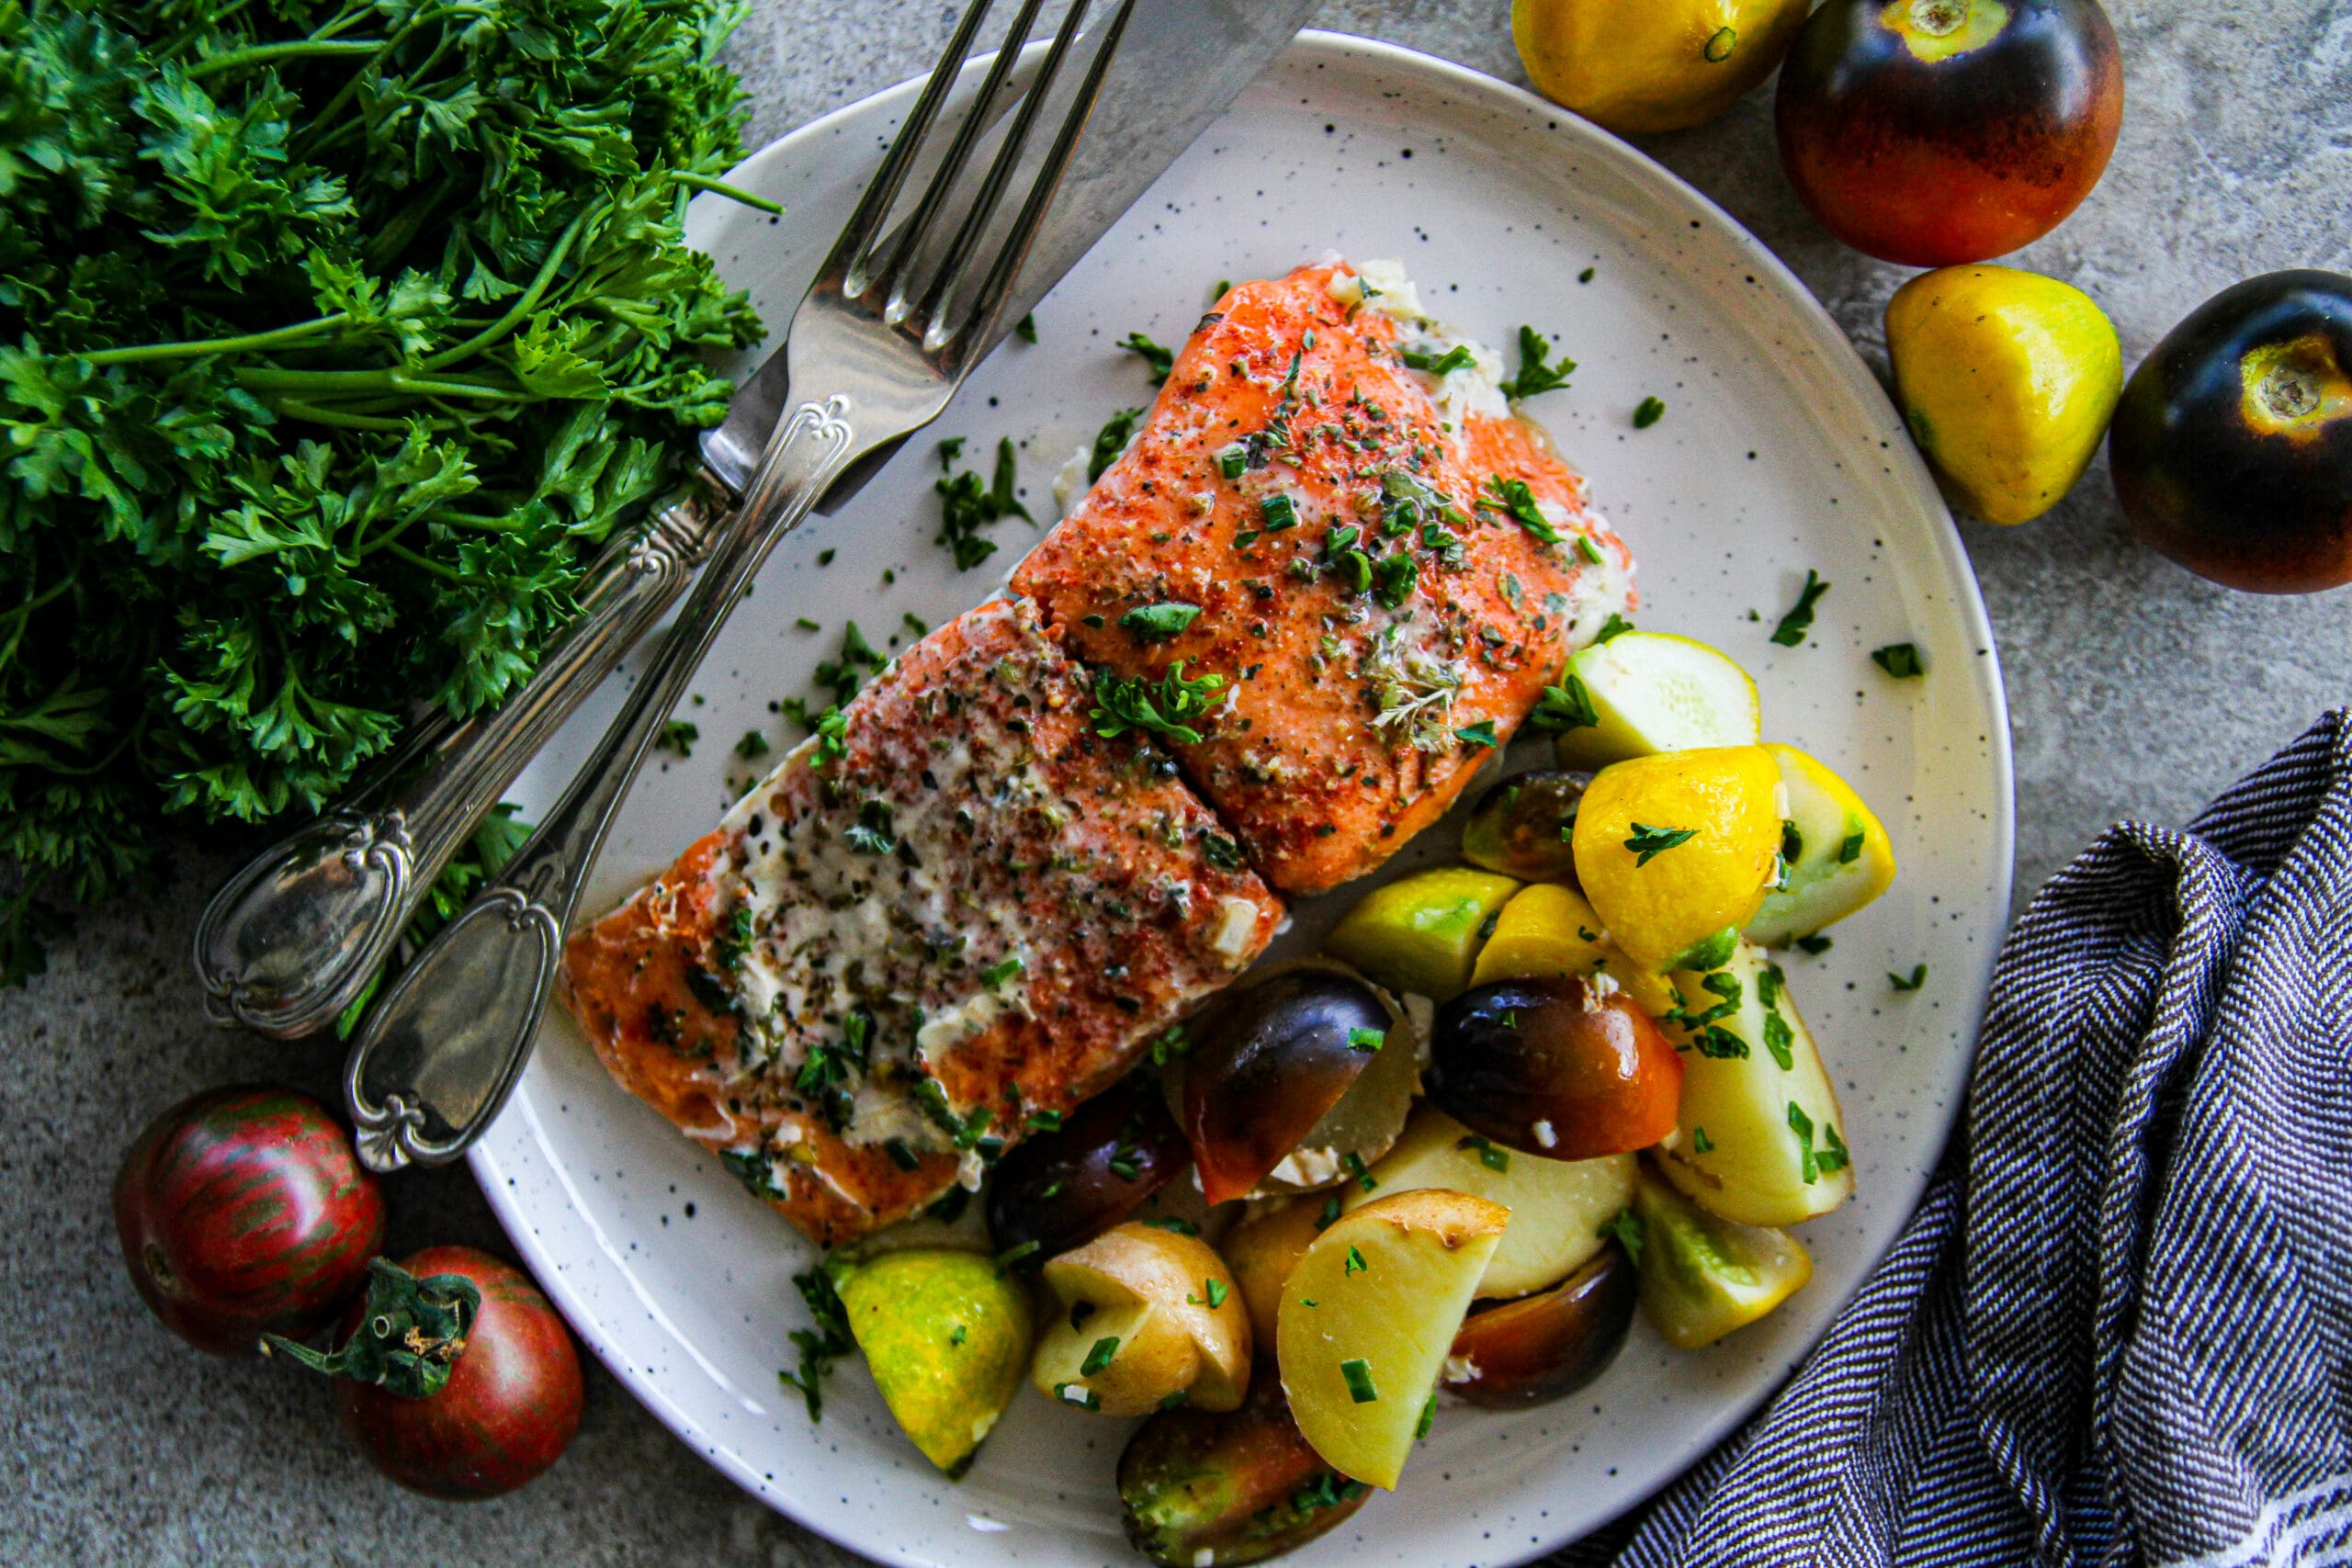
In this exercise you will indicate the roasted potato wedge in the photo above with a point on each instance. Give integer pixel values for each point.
(1369, 1316)
(1263, 1250)
(1557, 1207)
(1143, 1318)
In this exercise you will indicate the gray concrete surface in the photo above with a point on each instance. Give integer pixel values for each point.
(2136, 690)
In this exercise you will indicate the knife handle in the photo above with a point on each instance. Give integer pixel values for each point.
(295, 937)
(441, 1049)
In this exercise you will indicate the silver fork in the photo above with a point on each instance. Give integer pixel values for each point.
(880, 343)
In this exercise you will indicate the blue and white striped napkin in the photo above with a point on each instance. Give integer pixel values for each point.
(2119, 1329)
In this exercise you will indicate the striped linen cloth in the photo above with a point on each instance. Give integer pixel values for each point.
(2119, 1329)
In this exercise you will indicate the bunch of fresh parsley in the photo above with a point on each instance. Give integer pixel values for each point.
(334, 337)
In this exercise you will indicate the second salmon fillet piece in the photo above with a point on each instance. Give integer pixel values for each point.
(966, 911)
(1381, 564)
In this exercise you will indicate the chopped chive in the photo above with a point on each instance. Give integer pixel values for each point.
(1100, 1356)
(1357, 1374)
(1045, 1122)
(1355, 1263)
(1428, 1417)
(1366, 1040)
(1279, 512)
(996, 974)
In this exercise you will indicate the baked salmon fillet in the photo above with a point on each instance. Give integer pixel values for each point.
(967, 909)
(1381, 564)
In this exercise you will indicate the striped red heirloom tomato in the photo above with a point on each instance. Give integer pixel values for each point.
(245, 1211)
(511, 1404)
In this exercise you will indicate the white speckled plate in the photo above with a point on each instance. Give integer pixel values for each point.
(1777, 453)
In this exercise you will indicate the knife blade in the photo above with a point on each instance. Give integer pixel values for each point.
(1181, 65)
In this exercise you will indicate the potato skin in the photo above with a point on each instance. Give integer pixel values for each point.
(1934, 156)
(1262, 1250)
(1170, 1300)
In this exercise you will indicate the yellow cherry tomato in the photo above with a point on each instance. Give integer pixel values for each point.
(1645, 65)
(1675, 852)
(2007, 380)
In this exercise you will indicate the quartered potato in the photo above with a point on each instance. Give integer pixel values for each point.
(1199, 1489)
(1520, 827)
(1760, 1137)
(1557, 1207)
(1539, 1347)
(1143, 1319)
(1263, 1250)
(1838, 853)
(1547, 930)
(1563, 1069)
(1421, 933)
(1704, 1275)
(1369, 1316)
(1675, 852)
(945, 1335)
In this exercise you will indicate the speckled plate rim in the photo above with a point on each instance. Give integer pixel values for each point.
(1577, 139)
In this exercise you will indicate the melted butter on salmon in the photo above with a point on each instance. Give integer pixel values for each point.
(882, 964)
(1384, 563)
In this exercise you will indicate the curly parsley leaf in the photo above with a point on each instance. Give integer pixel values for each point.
(1795, 625)
(1535, 375)
(1167, 706)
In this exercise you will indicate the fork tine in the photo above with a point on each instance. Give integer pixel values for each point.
(959, 253)
(882, 192)
(943, 180)
(1015, 249)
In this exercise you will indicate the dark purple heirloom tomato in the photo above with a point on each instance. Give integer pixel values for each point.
(245, 1211)
(1063, 1187)
(2232, 449)
(511, 1406)
(1933, 132)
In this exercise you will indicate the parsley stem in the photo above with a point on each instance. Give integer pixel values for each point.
(525, 303)
(261, 53)
(333, 382)
(425, 563)
(276, 337)
(732, 193)
(311, 413)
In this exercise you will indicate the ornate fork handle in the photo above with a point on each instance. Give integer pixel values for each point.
(441, 1050)
(295, 937)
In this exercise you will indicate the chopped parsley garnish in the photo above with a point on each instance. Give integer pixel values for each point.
(1174, 1398)
(1161, 360)
(1648, 411)
(1479, 734)
(832, 737)
(1233, 461)
(1814, 946)
(1849, 848)
(1221, 851)
(755, 1169)
(1356, 1374)
(1719, 1043)
(1330, 1213)
(1701, 1143)
(996, 974)
(1100, 1356)
(1616, 625)
(1025, 328)
(1912, 982)
(1013, 1255)
(1174, 1224)
(1277, 431)
(754, 744)
(1564, 706)
(1327, 1490)
(871, 833)
(1044, 1121)
(1513, 497)
(966, 507)
(1071, 1393)
(900, 1155)
(1811, 1163)
(1649, 843)
(1589, 550)
(1112, 440)
(1899, 659)
(1367, 1040)
(822, 1345)
(1428, 1417)
(1626, 1231)
(1171, 1046)
(1355, 1263)
(679, 736)
(1780, 1039)
(1494, 1159)
(1216, 1292)
(1278, 513)
(1534, 375)
(733, 943)
(1158, 622)
(1393, 578)
(1791, 632)
(1165, 708)
(1458, 357)
(1585, 276)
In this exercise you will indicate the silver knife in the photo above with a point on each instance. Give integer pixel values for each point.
(299, 935)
